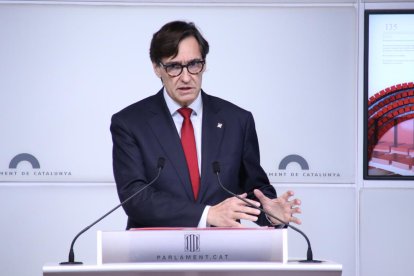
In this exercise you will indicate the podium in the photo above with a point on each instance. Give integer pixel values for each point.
(194, 252)
(193, 245)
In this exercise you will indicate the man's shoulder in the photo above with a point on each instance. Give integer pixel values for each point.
(138, 108)
(223, 105)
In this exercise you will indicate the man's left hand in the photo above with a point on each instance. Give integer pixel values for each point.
(282, 207)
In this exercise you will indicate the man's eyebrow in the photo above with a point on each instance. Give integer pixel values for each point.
(176, 62)
(173, 63)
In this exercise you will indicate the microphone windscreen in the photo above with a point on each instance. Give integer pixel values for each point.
(216, 167)
(161, 163)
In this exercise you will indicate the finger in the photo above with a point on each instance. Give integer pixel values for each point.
(296, 201)
(293, 203)
(295, 220)
(287, 195)
(250, 201)
(260, 196)
(296, 210)
(253, 202)
(245, 216)
(233, 223)
(227, 223)
(249, 210)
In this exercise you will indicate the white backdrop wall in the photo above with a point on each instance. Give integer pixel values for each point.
(70, 67)
(66, 67)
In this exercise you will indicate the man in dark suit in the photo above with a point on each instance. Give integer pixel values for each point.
(191, 130)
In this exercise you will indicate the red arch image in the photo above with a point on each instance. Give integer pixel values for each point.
(390, 130)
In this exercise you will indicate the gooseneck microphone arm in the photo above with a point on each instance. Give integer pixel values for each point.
(71, 261)
(309, 255)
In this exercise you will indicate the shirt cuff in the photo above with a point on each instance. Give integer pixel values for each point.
(203, 220)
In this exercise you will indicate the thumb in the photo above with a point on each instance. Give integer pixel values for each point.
(260, 196)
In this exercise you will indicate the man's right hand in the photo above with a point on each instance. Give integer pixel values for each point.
(228, 212)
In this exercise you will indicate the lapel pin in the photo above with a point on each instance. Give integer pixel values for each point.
(219, 125)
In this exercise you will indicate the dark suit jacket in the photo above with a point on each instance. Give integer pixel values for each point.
(145, 131)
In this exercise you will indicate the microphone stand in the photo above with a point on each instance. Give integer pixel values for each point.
(71, 259)
(309, 254)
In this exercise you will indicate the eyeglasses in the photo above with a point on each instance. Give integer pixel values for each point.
(175, 69)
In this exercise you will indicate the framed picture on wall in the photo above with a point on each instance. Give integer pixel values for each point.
(389, 94)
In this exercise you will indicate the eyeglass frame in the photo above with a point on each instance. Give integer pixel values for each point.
(165, 66)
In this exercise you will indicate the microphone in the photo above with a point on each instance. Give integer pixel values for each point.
(309, 259)
(71, 260)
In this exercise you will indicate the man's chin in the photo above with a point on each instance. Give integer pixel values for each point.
(186, 103)
(186, 100)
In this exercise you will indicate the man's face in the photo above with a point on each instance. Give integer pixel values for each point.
(184, 88)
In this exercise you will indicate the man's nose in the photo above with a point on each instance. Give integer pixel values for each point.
(185, 75)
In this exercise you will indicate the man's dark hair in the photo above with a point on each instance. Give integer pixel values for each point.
(165, 42)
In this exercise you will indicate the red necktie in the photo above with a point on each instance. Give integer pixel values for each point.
(190, 150)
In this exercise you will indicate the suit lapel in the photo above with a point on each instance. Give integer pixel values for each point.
(212, 134)
(162, 125)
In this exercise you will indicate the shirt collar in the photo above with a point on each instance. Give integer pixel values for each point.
(196, 105)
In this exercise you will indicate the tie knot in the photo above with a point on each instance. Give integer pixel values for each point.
(185, 112)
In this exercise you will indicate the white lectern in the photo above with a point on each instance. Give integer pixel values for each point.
(262, 244)
(194, 252)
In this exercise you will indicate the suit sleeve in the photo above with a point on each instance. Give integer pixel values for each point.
(133, 168)
(252, 174)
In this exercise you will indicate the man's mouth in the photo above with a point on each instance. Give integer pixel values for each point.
(186, 88)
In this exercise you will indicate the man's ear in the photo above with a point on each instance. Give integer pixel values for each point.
(157, 69)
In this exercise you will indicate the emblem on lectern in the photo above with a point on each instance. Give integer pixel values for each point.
(191, 243)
